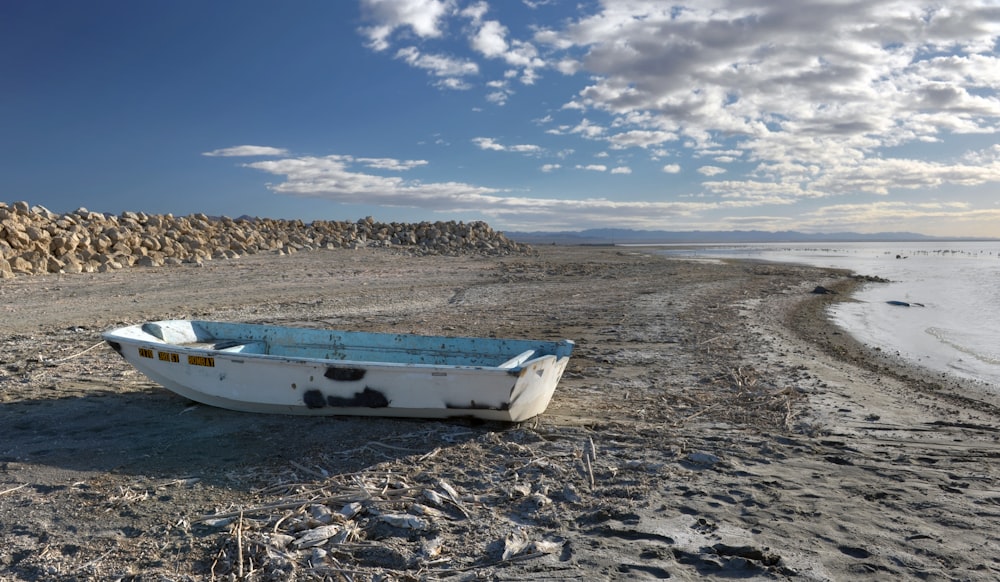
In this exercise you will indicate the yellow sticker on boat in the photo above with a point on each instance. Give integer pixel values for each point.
(201, 361)
(168, 357)
(146, 353)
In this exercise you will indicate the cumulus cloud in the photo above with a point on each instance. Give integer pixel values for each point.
(490, 144)
(422, 17)
(390, 20)
(792, 83)
(491, 39)
(812, 99)
(640, 138)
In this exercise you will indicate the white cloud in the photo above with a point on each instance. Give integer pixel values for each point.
(814, 98)
(438, 65)
(498, 97)
(488, 143)
(422, 17)
(337, 178)
(391, 163)
(819, 86)
(640, 138)
(490, 40)
(476, 11)
(453, 84)
(593, 167)
(621, 170)
(246, 151)
(373, 181)
(588, 129)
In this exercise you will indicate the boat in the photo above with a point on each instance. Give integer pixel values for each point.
(294, 370)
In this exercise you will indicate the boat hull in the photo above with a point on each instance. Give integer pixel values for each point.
(270, 369)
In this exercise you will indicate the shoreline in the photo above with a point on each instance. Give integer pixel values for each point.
(839, 343)
(966, 355)
(703, 429)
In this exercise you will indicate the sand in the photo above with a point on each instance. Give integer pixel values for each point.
(711, 424)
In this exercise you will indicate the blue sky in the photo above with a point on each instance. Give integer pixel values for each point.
(830, 116)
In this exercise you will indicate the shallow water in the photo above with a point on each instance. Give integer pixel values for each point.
(952, 323)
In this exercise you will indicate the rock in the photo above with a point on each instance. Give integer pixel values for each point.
(35, 240)
(5, 271)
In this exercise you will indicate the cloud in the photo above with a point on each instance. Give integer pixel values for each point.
(376, 181)
(339, 178)
(437, 65)
(390, 163)
(640, 138)
(813, 99)
(429, 20)
(621, 170)
(488, 143)
(884, 215)
(816, 86)
(246, 151)
(422, 17)
(490, 39)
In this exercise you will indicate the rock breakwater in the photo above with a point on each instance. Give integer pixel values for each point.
(35, 240)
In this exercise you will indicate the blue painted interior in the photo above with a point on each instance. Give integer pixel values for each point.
(356, 346)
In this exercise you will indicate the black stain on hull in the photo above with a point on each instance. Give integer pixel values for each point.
(314, 399)
(473, 406)
(341, 374)
(367, 399)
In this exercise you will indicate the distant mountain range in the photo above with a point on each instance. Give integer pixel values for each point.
(609, 236)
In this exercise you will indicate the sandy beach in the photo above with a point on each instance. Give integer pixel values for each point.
(711, 424)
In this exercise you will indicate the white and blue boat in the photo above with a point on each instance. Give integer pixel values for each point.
(291, 370)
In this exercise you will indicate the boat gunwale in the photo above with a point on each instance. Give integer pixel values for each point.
(560, 349)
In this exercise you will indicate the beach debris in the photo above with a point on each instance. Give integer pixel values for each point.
(821, 290)
(405, 521)
(317, 536)
(905, 303)
(518, 544)
(351, 509)
(431, 552)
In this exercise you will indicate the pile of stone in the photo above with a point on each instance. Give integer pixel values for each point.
(34, 240)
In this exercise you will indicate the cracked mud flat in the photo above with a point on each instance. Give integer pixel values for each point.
(710, 424)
